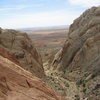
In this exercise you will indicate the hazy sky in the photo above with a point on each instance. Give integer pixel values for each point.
(39, 13)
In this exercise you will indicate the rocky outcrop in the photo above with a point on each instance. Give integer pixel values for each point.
(80, 56)
(81, 49)
(9, 56)
(19, 45)
(18, 84)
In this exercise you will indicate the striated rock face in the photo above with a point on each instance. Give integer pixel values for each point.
(18, 84)
(80, 56)
(20, 46)
(82, 48)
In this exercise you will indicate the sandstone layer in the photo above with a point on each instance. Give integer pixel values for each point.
(19, 84)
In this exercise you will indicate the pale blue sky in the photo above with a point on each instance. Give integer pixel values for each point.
(40, 13)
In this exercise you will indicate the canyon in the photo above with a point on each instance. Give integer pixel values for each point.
(70, 72)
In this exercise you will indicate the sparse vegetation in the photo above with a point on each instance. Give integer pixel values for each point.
(66, 84)
(80, 82)
(77, 97)
(84, 91)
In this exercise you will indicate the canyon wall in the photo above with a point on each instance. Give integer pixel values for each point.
(19, 45)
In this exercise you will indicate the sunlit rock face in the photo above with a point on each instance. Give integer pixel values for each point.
(19, 84)
(80, 55)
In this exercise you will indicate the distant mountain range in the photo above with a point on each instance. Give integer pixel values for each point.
(44, 28)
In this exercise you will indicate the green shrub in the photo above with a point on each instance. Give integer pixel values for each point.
(66, 84)
(84, 91)
(80, 82)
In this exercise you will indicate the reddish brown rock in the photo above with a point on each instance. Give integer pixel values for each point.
(18, 84)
